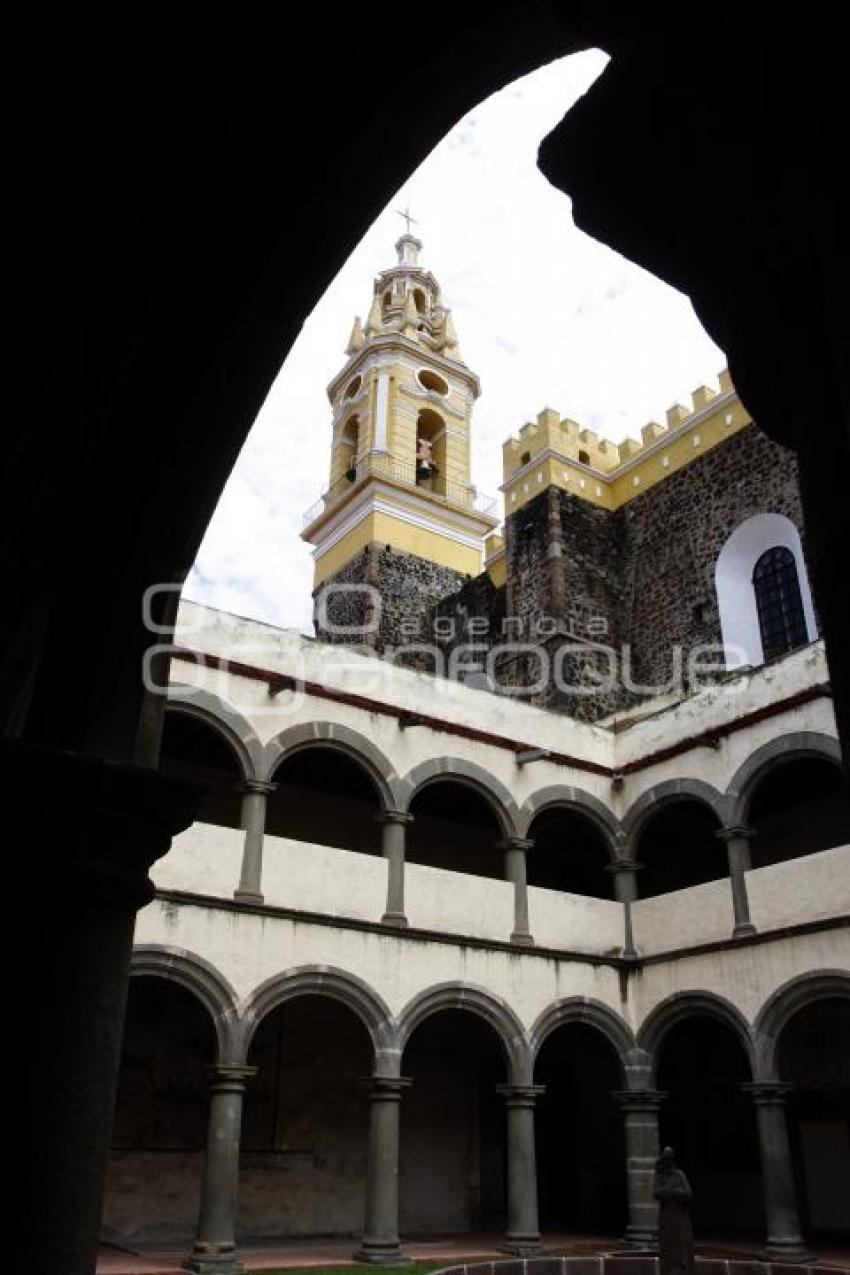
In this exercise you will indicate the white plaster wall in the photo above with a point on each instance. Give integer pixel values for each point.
(684, 917)
(315, 878)
(804, 889)
(205, 859)
(458, 903)
(342, 668)
(741, 694)
(746, 975)
(574, 922)
(247, 949)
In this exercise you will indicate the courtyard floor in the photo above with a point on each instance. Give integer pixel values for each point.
(279, 1255)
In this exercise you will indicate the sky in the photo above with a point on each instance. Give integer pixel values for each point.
(546, 316)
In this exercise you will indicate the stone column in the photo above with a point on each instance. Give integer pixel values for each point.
(81, 834)
(214, 1250)
(254, 800)
(516, 849)
(523, 1233)
(737, 840)
(625, 891)
(393, 848)
(640, 1120)
(380, 1244)
(784, 1237)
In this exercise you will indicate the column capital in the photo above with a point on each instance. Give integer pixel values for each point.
(229, 1077)
(520, 1095)
(639, 1099)
(735, 831)
(767, 1093)
(386, 1088)
(623, 865)
(264, 787)
(516, 843)
(394, 816)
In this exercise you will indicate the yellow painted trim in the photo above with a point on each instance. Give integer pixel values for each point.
(383, 529)
(497, 570)
(637, 474)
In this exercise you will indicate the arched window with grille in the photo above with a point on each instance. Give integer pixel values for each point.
(779, 603)
(763, 594)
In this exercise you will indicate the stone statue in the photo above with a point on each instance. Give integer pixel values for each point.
(675, 1231)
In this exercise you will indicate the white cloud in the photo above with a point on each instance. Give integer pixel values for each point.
(545, 316)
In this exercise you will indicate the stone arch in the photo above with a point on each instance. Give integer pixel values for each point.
(574, 799)
(327, 981)
(341, 739)
(679, 1006)
(592, 1013)
(790, 747)
(484, 1005)
(663, 794)
(471, 776)
(798, 993)
(223, 718)
(200, 978)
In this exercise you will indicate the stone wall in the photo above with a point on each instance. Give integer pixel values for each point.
(638, 581)
(409, 589)
(672, 536)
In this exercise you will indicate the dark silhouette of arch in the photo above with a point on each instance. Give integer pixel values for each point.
(461, 816)
(797, 994)
(465, 774)
(226, 719)
(334, 736)
(321, 980)
(197, 976)
(797, 808)
(570, 853)
(709, 1119)
(473, 1000)
(580, 1065)
(201, 749)
(579, 1009)
(677, 847)
(683, 1005)
(328, 796)
(660, 795)
(796, 745)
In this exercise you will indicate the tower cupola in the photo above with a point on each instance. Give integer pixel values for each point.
(400, 435)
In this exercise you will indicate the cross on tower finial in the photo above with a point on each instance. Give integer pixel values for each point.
(407, 219)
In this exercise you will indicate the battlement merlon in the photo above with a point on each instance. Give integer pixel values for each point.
(583, 446)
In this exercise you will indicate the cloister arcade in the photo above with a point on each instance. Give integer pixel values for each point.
(328, 785)
(398, 983)
(330, 1078)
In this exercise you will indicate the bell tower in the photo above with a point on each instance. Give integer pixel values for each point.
(400, 512)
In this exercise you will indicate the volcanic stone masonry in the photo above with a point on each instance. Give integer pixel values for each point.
(641, 577)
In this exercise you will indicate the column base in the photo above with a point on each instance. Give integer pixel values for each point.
(226, 1263)
(786, 1251)
(397, 919)
(635, 1238)
(521, 1246)
(381, 1255)
(746, 927)
(248, 896)
(522, 939)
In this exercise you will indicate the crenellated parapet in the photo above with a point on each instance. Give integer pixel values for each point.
(558, 451)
